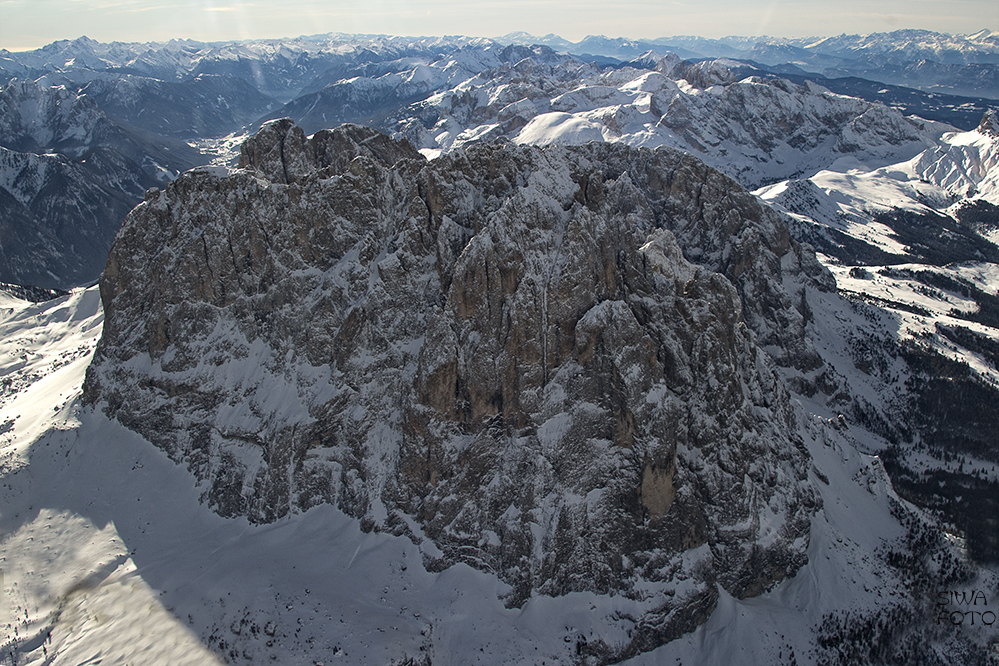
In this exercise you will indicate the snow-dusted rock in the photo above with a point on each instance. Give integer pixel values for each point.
(965, 164)
(506, 353)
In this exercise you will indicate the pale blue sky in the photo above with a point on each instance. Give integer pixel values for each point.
(26, 24)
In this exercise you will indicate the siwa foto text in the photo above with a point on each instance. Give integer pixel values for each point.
(960, 607)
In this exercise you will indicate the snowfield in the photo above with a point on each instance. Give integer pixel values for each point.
(962, 167)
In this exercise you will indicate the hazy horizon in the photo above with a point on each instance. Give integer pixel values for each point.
(31, 24)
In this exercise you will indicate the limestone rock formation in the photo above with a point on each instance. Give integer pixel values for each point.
(546, 363)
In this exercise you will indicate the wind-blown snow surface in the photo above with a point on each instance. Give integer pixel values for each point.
(108, 557)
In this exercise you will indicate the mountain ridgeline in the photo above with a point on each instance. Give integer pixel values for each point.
(545, 363)
(69, 174)
(88, 127)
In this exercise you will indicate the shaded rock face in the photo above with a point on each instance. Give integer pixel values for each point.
(507, 352)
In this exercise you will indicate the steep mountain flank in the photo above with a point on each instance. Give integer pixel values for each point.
(69, 175)
(545, 363)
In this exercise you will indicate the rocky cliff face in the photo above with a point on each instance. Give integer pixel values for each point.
(546, 363)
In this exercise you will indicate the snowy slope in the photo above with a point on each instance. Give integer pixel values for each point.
(46, 349)
(441, 93)
(912, 247)
(68, 175)
(755, 129)
(963, 168)
(106, 552)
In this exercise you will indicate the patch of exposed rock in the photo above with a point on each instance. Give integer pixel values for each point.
(547, 362)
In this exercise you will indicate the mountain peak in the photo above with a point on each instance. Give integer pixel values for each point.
(989, 124)
(984, 33)
(512, 355)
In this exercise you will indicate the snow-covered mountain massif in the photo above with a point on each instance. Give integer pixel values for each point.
(107, 121)
(568, 361)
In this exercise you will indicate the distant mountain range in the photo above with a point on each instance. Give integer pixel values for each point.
(140, 98)
(69, 173)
